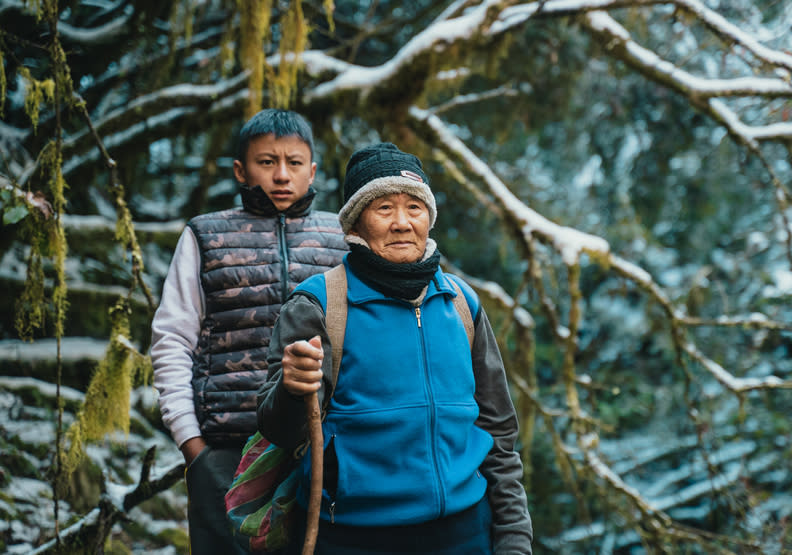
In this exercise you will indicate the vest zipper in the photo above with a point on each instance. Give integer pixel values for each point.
(283, 247)
(432, 417)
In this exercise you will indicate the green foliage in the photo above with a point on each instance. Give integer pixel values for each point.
(329, 8)
(187, 15)
(31, 307)
(12, 207)
(125, 230)
(45, 237)
(37, 92)
(116, 548)
(14, 462)
(51, 164)
(161, 509)
(176, 537)
(254, 17)
(84, 486)
(35, 7)
(625, 410)
(106, 406)
(294, 40)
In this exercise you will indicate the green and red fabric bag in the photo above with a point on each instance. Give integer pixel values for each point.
(262, 499)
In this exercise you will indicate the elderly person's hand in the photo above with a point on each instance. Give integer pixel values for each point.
(302, 366)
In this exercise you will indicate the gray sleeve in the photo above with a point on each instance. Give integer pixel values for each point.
(511, 523)
(281, 415)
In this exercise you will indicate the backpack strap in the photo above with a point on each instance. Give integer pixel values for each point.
(461, 305)
(336, 315)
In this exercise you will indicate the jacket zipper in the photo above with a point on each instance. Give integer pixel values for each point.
(284, 254)
(432, 415)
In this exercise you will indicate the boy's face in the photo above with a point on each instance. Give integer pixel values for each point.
(282, 167)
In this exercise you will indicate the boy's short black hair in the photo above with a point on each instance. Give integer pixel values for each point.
(281, 123)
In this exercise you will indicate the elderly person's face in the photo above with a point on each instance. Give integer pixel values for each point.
(395, 227)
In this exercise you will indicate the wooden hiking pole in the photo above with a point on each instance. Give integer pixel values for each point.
(314, 419)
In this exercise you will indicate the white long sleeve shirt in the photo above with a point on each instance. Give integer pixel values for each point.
(174, 337)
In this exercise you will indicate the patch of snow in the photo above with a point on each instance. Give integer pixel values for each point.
(782, 286)
(32, 432)
(688, 164)
(590, 175)
(756, 242)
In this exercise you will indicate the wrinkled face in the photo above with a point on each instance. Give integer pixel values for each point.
(395, 227)
(282, 167)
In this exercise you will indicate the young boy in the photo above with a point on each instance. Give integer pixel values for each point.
(230, 273)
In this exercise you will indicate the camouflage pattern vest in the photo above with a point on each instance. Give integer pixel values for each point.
(249, 265)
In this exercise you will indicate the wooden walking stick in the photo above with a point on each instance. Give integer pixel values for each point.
(314, 419)
(336, 313)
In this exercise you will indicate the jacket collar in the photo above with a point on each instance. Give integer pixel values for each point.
(358, 292)
(255, 200)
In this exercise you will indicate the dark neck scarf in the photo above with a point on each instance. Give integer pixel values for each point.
(403, 281)
(255, 200)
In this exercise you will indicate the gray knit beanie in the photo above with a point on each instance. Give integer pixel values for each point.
(379, 170)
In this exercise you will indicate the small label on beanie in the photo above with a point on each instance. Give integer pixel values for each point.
(412, 175)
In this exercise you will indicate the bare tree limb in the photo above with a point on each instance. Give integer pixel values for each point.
(114, 505)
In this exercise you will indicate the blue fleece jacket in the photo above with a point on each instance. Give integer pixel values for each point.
(400, 428)
(410, 426)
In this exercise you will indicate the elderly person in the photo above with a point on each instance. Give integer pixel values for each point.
(419, 433)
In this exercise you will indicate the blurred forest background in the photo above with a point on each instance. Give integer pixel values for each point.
(613, 176)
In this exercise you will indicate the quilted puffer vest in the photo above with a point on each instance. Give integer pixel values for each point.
(249, 265)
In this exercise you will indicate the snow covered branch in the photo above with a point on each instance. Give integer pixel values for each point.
(678, 320)
(730, 32)
(474, 98)
(151, 116)
(495, 293)
(571, 244)
(728, 380)
(753, 321)
(95, 36)
(701, 91)
(432, 41)
(114, 505)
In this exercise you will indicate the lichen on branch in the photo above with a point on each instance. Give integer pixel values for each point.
(107, 406)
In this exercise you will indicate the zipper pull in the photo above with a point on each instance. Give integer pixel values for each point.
(332, 512)
(418, 315)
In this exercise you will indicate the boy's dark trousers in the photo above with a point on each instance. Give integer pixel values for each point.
(208, 478)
